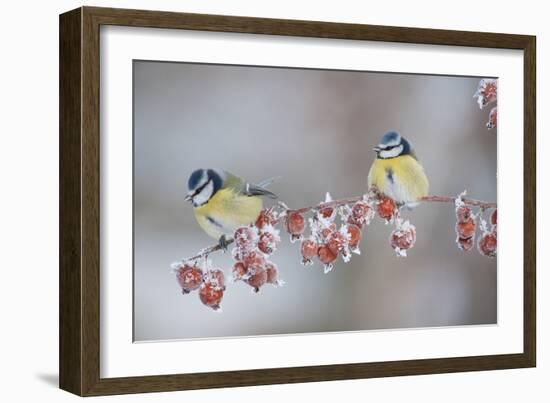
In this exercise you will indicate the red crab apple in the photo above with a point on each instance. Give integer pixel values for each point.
(386, 208)
(326, 254)
(403, 239)
(361, 213)
(244, 238)
(465, 244)
(309, 250)
(266, 217)
(295, 225)
(336, 242)
(211, 294)
(189, 278)
(487, 244)
(466, 229)
(268, 242)
(272, 273)
(463, 213)
(257, 278)
(239, 271)
(217, 276)
(354, 233)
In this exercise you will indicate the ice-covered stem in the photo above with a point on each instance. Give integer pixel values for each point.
(338, 203)
(467, 201)
(204, 253)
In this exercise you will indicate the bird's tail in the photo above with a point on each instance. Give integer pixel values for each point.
(260, 188)
(267, 182)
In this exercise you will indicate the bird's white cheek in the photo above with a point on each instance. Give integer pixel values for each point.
(394, 152)
(204, 195)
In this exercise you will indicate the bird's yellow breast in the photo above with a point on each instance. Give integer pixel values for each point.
(226, 211)
(401, 178)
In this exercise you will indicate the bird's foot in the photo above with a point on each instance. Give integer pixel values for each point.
(224, 243)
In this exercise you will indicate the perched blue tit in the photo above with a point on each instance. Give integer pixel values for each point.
(224, 202)
(396, 171)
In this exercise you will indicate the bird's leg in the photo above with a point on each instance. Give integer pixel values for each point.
(223, 242)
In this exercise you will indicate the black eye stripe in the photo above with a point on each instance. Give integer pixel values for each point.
(201, 188)
(388, 148)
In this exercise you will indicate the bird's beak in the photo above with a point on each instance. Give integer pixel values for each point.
(188, 197)
(376, 149)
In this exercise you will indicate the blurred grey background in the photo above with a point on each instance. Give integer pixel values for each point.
(316, 129)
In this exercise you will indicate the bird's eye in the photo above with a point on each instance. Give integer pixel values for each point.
(202, 187)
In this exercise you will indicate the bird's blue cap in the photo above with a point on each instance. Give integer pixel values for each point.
(195, 178)
(392, 138)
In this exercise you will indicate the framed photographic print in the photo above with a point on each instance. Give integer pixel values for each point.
(249, 201)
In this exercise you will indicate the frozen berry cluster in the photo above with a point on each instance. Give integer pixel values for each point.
(336, 230)
(467, 226)
(486, 94)
(487, 244)
(210, 282)
(326, 231)
(333, 231)
(254, 245)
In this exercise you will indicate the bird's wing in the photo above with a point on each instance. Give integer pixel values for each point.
(257, 190)
(249, 189)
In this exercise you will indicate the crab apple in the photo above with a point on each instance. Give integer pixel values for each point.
(487, 244)
(217, 276)
(386, 208)
(326, 254)
(486, 91)
(327, 231)
(268, 242)
(254, 260)
(326, 212)
(494, 217)
(239, 254)
(189, 278)
(466, 229)
(465, 244)
(463, 213)
(354, 233)
(244, 237)
(266, 217)
(239, 271)
(257, 278)
(336, 242)
(295, 224)
(211, 295)
(309, 250)
(492, 123)
(272, 273)
(350, 220)
(361, 213)
(403, 238)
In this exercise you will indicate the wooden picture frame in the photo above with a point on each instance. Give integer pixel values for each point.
(79, 201)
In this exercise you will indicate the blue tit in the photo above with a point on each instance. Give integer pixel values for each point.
(396, 171)
(224, 202)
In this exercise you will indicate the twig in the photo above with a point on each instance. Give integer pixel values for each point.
(469, 202)
(338, 203)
